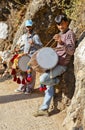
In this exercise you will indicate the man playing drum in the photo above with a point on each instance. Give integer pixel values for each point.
(29, 43)
(65, 49)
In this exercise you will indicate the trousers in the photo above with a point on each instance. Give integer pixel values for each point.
(50, 82)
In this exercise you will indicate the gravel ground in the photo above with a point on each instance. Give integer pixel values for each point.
(16, 110)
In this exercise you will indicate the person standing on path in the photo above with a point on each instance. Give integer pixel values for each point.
(28, 43)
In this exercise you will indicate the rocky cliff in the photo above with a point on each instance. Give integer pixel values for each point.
(13, 13)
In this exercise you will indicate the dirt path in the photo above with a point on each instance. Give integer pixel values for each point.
(16, 110)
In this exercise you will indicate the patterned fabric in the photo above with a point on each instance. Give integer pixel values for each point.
(24, 43)
(67, 48)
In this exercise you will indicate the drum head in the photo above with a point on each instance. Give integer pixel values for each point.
(22, 62)
(47, 58)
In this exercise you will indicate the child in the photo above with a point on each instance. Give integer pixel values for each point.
(65, 49)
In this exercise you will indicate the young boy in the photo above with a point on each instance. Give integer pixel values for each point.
(65, 49)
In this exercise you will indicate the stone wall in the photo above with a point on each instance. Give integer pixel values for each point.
(43, 13)
(75, 112)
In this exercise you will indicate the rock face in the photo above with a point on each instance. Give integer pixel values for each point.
(76, 111)
(3, 30)
(43, 13)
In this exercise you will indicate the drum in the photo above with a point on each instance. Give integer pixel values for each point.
(34, 64)
(20, 62)
(23, 61)
(44, 59)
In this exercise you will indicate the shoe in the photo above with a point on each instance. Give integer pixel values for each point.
(20, 89)
(27, 92)
(41, 113)
(17, 90)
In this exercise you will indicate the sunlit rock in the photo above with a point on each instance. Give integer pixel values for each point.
(3, 30)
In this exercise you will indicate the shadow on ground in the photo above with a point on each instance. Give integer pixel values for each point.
(54, 111)
(5, 77)
(20, 96)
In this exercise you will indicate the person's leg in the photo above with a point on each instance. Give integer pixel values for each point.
(21, 87)
(46, 80)
(49, 92)
(57, 71)
(30, 86)
(43, 110)
(47, 99)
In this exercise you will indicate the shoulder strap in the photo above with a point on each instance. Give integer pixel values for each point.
(33, 34)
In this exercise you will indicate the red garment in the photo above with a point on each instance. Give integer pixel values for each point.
(13, 58)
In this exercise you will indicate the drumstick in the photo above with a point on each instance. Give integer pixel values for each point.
(51, 74)
(35, 67)
(49, 42)
(53, 44)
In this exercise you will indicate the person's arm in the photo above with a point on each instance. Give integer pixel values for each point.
(37, 40)
(57, 38)
(70, 43)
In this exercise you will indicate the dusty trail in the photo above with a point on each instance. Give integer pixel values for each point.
(16, 110)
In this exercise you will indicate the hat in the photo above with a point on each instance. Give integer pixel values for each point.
(28, 23)
(59, 18)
